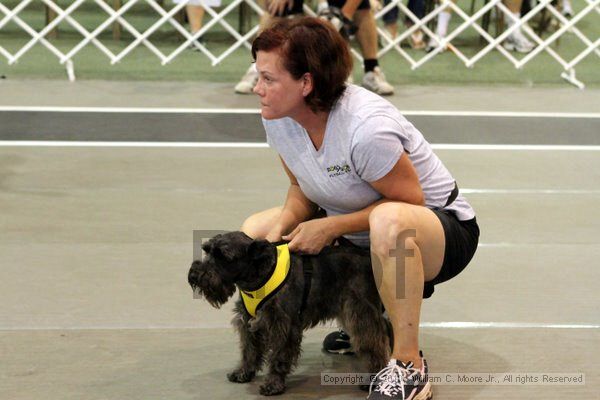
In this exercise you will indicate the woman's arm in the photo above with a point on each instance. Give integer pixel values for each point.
(400, 184)
(296, 209)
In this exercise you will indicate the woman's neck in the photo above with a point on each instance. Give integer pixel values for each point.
(315, 125)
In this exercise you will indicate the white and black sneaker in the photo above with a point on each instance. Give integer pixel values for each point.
(346, 27)
(338, 342)
(375, 81)
(248, 81)
(401, 381)
(567, 10)
(518, 42)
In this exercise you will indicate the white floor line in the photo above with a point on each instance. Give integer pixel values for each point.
(487, 147)
(505, 325)
(551, 245)
(515, 147)
(61, 143)
(530, 191)
(173, 110)
(426, 325)
(131, 110)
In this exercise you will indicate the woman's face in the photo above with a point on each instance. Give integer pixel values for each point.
(280, 94)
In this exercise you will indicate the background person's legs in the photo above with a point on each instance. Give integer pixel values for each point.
(441, 28)
(195, 16)
(516, 41)
(248, 81)
(374, 79)
(350, 7)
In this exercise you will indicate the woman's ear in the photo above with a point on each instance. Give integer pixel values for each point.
(307, 84)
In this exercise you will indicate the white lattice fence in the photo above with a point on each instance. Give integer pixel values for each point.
(166, 16)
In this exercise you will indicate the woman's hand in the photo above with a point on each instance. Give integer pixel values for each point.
(277, 7)
(311, 236)
(273, 236)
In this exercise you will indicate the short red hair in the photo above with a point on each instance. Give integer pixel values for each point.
(310, 45)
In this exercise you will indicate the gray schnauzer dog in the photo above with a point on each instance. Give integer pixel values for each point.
(340, 286)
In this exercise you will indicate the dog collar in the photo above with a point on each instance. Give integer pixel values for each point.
(253, 300)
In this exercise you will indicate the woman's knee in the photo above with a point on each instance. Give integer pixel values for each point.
(258, 225)
(390, 224)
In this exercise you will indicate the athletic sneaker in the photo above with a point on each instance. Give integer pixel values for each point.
(417, 40)
(401, 381)
(338, 342)
(248, 81)
(375, 82)
(518, 42)
(432, 44)
(334, 15)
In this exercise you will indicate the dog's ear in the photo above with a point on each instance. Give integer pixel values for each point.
(259, 249)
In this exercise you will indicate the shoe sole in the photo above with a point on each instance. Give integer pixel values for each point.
(512, 47)
(344, 352)
(426, 393)
(377, 91)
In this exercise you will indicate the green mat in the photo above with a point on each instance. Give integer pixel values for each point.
(141, 64)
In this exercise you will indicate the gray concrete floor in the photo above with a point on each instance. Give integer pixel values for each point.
(89, 93)
(161, 122)
(96, 242)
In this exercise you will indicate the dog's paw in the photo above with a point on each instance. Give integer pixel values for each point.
(240, 376)
(271, 388)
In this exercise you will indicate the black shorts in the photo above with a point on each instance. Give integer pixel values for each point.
(364, 5)
(462, 238)
(298, 9)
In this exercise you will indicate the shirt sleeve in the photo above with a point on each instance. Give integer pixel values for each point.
(376, 148)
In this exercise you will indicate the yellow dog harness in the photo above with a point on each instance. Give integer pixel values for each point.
(253, 300)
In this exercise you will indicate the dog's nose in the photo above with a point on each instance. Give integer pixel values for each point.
(194, 273)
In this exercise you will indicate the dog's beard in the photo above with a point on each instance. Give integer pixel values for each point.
(205, 282)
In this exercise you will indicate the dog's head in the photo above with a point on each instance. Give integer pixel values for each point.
(229, 258)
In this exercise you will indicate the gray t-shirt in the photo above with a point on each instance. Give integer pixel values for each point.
(364, 139)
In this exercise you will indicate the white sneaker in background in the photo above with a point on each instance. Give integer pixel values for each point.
(432, 44)
(518, 42)
(375, 81)
(567, 10)
(248, 81)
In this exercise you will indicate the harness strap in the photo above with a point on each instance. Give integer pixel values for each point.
(453, 195)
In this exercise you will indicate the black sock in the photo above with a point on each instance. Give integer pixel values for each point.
(370, 64)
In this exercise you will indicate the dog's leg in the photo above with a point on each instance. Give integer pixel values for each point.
(284, 341)
(368, 332)
(252, 347)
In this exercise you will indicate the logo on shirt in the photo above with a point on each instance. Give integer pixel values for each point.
(337, 170)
